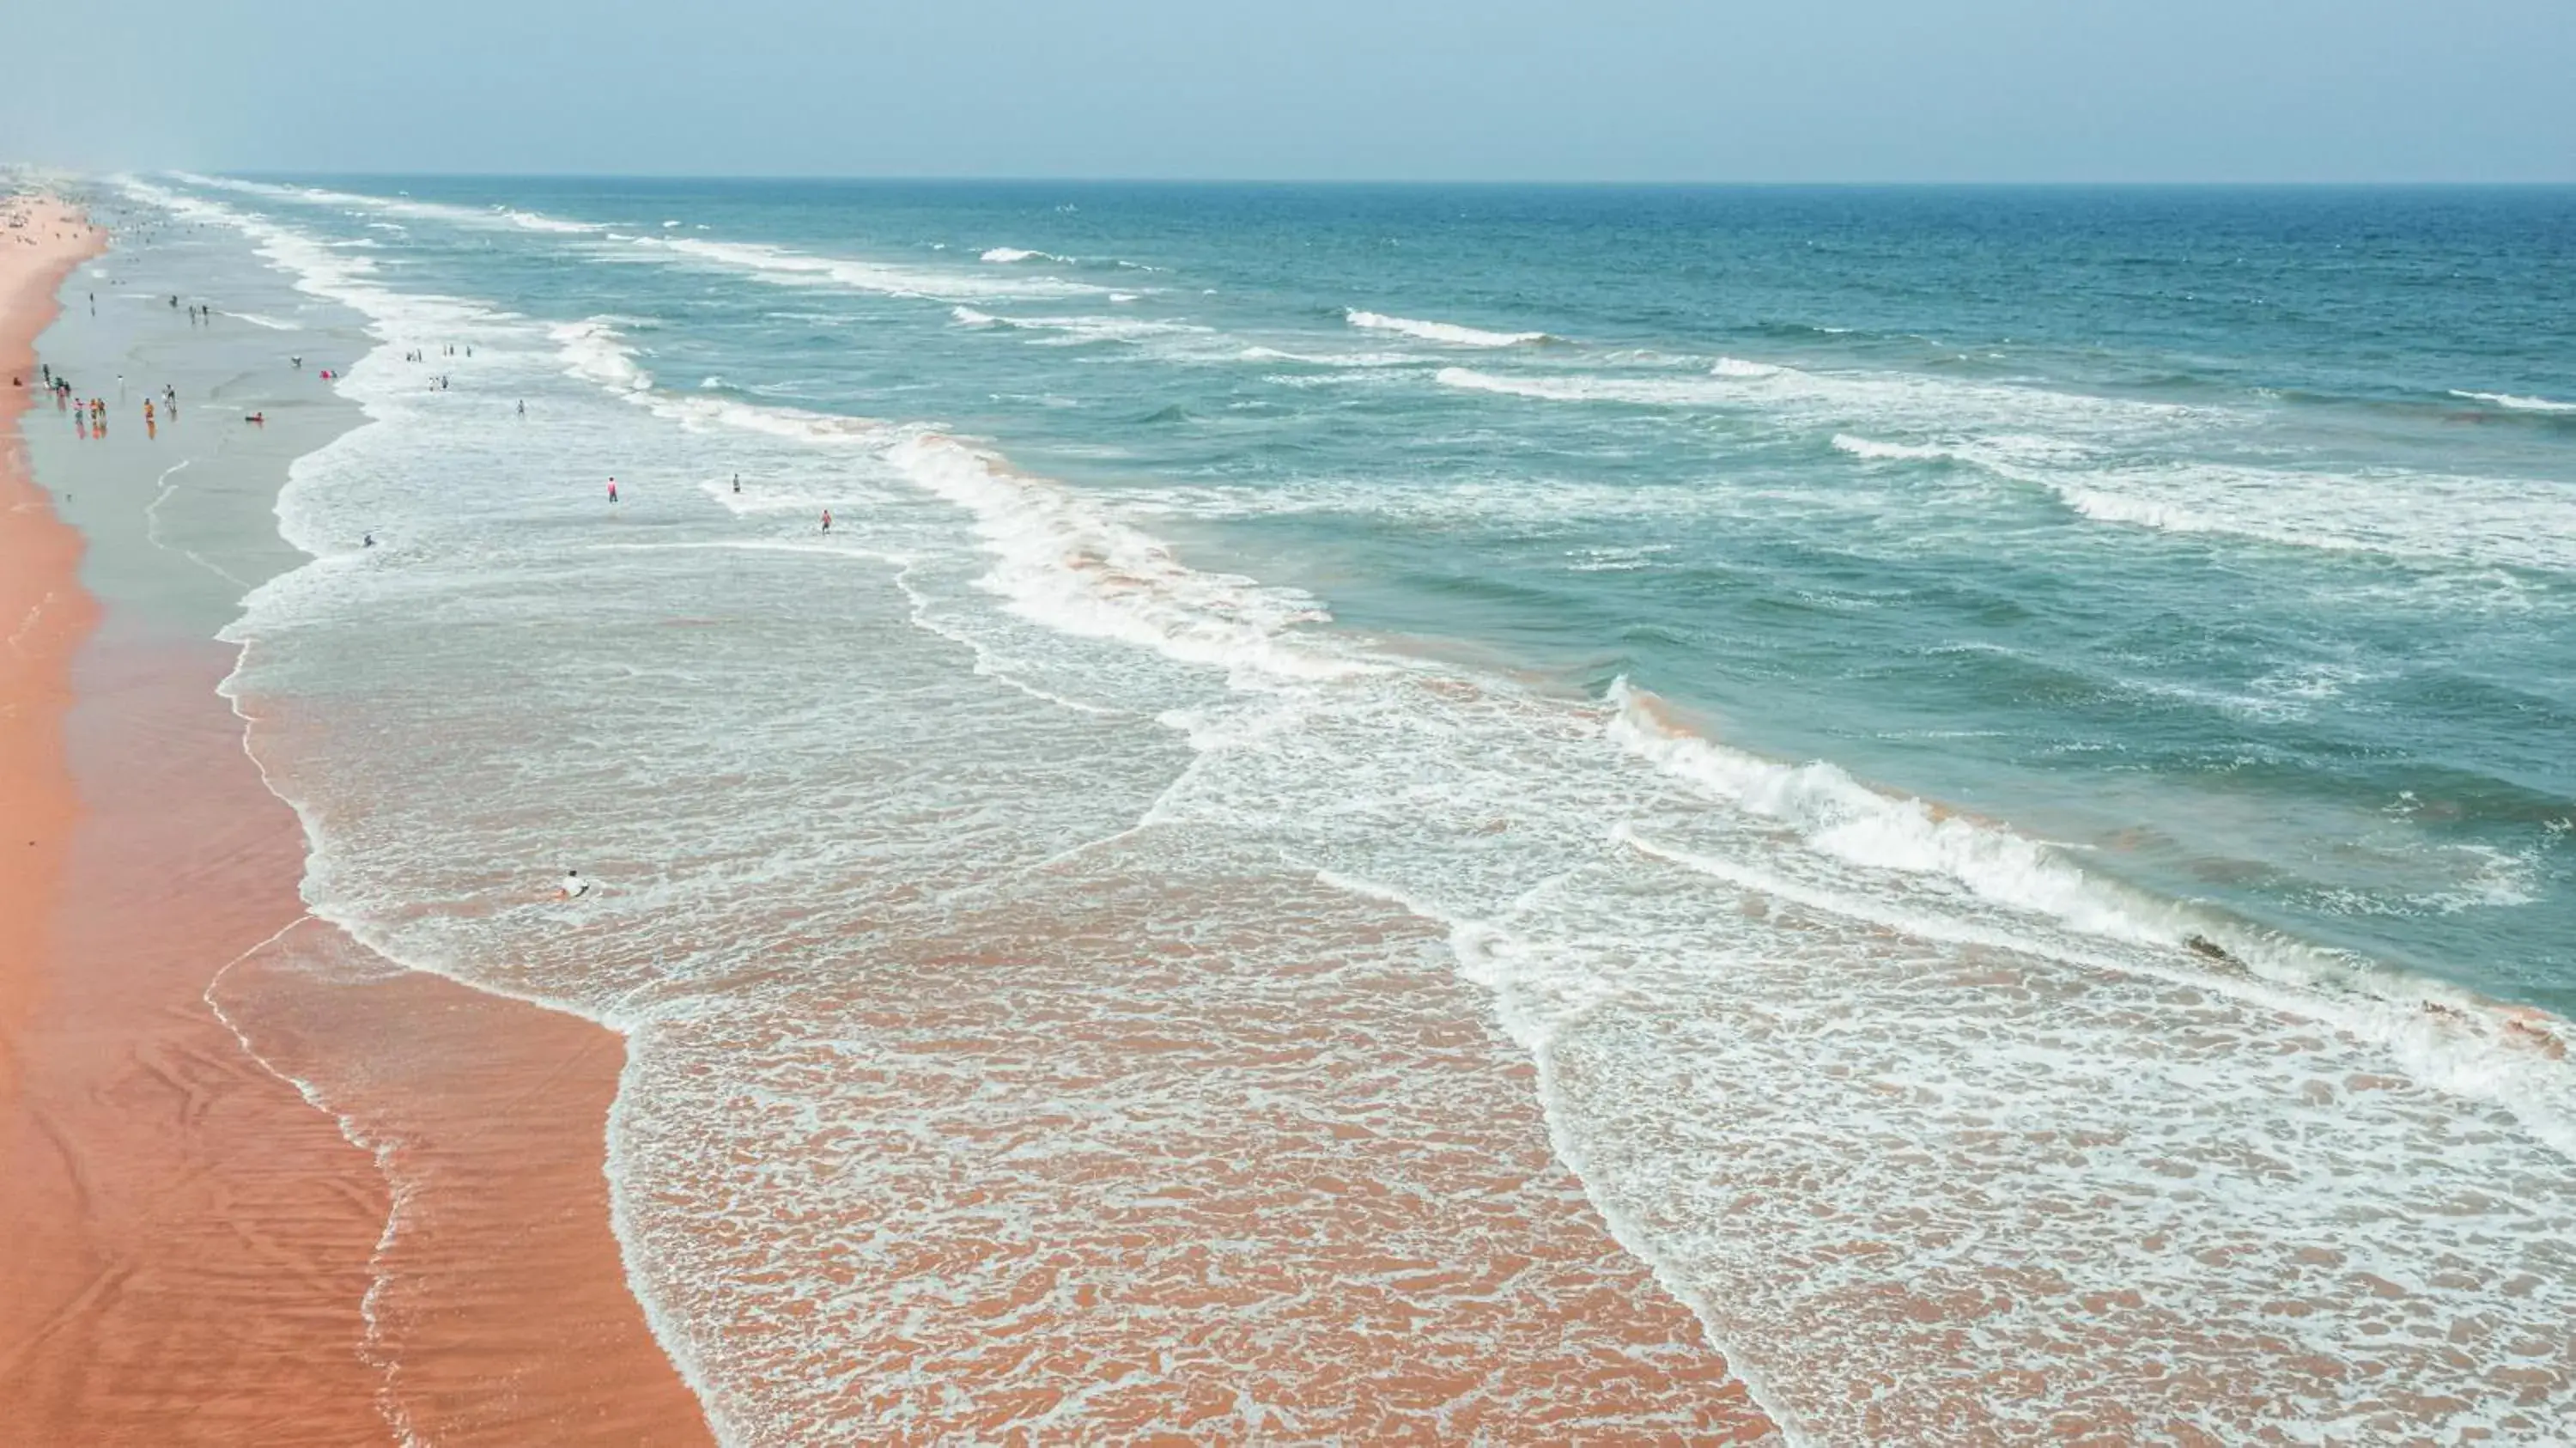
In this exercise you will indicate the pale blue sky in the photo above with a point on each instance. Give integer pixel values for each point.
(1998, 90)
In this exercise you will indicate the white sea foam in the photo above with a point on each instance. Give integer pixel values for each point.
(1639, 391)
(788, 267)
(2422, 518)
(594, 350)
(1874, 451)
(1063, 563)
(271, 323)
(1330, 359)
(767, 262)
(1080, 329)
(1006, 255)
(537, 221)
(2517, 404)
(1900, 401)
(396, 206)
(2089, 459)
(1447, 334)
(1837, 814)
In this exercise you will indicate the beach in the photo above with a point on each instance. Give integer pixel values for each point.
(49, 616)
(200, 1247)
(1301, 814)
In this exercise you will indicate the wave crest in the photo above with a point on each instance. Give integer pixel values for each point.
(1448, 334)
(2512, 403)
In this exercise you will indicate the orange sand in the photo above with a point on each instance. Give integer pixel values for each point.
(191, 1250)
(44, 615)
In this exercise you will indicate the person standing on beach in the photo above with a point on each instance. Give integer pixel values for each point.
(827, 520)
(612, 490)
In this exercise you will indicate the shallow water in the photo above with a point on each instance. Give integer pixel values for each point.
(1341, 740)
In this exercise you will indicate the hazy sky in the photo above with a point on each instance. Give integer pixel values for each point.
(1611, 89)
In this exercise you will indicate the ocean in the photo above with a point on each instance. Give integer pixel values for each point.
(1995, 765)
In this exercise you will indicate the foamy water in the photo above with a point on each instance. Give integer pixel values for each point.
(1077, 986)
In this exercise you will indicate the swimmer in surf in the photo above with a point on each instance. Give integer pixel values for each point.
(573, 887)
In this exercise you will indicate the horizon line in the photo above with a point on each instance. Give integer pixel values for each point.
(960, 178)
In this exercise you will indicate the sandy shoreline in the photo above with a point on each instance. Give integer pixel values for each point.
(46, 614)
(279, 1189)
(198, 1247)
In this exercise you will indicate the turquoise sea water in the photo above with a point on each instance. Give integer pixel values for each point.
(2227, 535)
(1725, 614)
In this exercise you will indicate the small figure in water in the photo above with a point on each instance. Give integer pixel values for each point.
(612, 490)
(298, 361)
(573, 887)
(523, 409)
(371, 540)
(827, 520)
(737, 482)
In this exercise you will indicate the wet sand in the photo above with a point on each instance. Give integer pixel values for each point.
(44, 615)
(192, 1238)
(196, 1249)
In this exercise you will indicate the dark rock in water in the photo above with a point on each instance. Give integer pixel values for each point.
(2203, 945)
